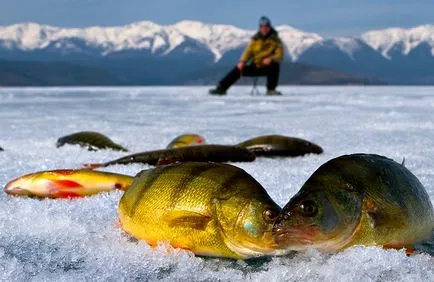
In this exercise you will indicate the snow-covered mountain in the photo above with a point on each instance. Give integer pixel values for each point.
(138, 36)
(218, 38)
(399, 39)
(297, 41)
(224, 38)
(158, 39)
(377, 53)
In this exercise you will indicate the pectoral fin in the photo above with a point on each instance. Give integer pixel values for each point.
(94, 165)
(162, 162)
(187, 219)
(409, 250)
(388, 215)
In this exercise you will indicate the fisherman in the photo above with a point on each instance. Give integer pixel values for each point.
(262, 57)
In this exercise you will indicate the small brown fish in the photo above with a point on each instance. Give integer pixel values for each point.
(90, 140)
(278, 145)
(201, 153)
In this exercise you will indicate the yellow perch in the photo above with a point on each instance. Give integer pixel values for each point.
(358, 199)
(280, 146)
(210, 209)
(67, 183)
(186, 140)
(90, 140)
(199, 153)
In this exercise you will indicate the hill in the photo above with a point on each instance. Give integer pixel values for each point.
(22, 73)
(33, 73)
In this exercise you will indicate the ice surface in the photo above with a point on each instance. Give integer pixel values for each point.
(78, 240)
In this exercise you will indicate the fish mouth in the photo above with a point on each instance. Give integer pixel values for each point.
(292, 239)
(315, 149)
(15, 190)
(248, 249)
(14, 187)
(318, 150)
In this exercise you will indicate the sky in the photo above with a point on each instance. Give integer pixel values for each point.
(327, 17)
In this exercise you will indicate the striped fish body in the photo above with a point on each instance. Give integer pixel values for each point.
(359, 199)
(67, 183)
(201, 153)
(278, 145)
(90, 140)
(210, 209)
(186, 140)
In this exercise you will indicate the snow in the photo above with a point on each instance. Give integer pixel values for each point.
(78, 240)
(407, 39)
(219, 38)
(158, 44)
(27, 36)
(347, 45)
(297, 41)
(32, 36)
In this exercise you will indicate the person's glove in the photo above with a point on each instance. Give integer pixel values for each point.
(241, 65)
(266, 61)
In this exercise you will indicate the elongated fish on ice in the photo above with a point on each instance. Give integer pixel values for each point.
(357, 199)
(91, 140)
(200, 153)
(67, 183)
(278, 145)
(210, 209)
(186, 140)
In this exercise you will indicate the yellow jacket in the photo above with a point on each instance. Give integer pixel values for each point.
(260, 48)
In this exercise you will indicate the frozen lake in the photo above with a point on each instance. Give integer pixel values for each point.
(61, 240)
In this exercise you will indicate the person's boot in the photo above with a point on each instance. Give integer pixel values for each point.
(218, 91)
(273, 93)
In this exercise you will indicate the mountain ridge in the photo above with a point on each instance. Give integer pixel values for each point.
(218, 37)
(394, 55)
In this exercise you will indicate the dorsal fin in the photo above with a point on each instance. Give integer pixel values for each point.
(403, 162)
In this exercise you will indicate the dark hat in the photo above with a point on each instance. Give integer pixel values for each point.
(264, 21)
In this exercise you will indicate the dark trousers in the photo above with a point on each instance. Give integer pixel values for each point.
(271, 72)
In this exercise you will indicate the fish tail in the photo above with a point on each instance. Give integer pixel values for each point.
(117, 224)
(94, 165)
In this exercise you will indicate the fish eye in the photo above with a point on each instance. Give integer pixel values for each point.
(270, 215)
(309, 208)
